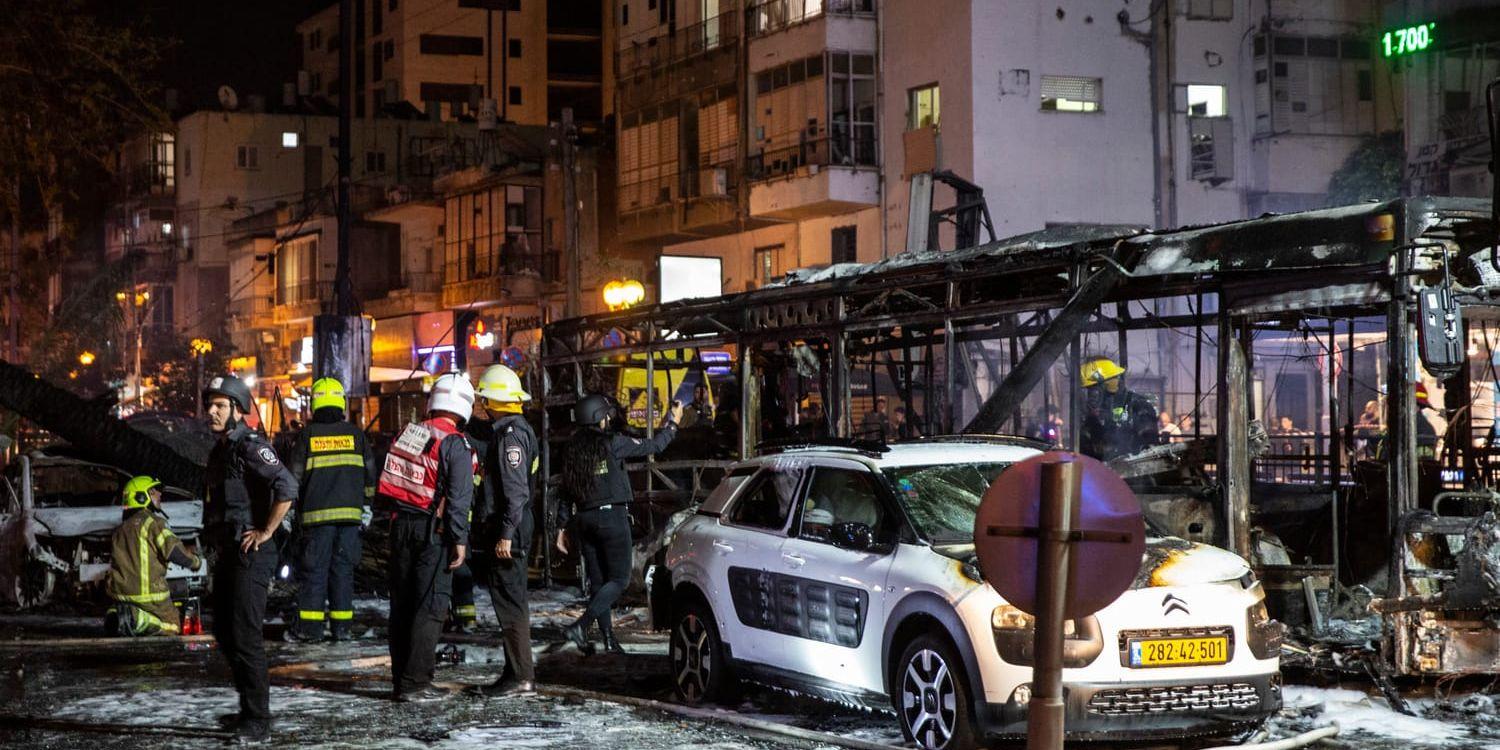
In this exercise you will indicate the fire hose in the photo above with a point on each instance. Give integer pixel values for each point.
(1301, 740)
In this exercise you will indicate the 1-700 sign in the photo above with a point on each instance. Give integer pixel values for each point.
(1407, 40)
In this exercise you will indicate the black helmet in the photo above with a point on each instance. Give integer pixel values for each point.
(591, 409)
(232, 388)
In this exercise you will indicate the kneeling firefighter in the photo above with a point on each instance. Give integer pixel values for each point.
(336, 475)
(140, 549)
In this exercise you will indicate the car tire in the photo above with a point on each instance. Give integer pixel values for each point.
(931, 696)
(700, 672)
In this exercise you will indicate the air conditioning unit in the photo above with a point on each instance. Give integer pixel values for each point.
(713, 181)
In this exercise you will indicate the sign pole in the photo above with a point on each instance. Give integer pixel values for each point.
(1044, 721)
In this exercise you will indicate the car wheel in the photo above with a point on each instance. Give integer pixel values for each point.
(700, 674)
(931, 696)
(34, 585)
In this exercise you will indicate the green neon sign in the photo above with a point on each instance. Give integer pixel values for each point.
(1409, 39)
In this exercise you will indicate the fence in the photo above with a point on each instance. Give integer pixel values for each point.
(841, 148)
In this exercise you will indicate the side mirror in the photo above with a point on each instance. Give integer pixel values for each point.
(852, 535)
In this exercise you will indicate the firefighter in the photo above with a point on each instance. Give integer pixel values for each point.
(335, 474)
(507, 523)
(429, 474)
(596, 497)
(249, 492)
(139, 552)
(1117, 421)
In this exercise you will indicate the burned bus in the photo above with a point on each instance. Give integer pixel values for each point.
(1325, 384)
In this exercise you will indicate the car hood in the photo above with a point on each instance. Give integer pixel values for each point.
(1168, 561)
(185, 517)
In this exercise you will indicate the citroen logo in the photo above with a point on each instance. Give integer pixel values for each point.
(1172, 603)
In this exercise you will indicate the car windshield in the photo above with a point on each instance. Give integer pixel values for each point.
(943, 499)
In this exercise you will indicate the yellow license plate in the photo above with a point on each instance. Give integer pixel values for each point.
(1175, 652)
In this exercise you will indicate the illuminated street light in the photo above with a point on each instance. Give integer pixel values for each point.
(623, 294)
(201, 346)
(86, 358)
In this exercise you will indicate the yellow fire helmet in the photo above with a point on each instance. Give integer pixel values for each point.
(1097, 370)
(501, 384)
(137, 491)
(328, 392)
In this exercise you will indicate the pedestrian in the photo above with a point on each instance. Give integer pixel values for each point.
(1117, 421)
(1168, 426)
(335, 474)
(140, 549)
(876, 423)
(700, 411)
(506, 523)
(596, 500)
(902, 429)
(249, 493)
(429, 474)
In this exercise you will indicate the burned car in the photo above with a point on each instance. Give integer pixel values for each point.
(56, 517)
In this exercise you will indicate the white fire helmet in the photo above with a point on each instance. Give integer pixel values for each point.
(452, 393)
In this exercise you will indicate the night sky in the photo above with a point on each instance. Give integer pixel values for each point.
(248, 44)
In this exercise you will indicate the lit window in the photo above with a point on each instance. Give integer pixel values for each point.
(289, 139)
(1205, 100)
(922, 107)
(1072, 94)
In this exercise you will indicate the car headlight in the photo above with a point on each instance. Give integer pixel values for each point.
(1262, 633)
(1014, 630)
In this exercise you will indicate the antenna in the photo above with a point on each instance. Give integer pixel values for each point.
(228, 99)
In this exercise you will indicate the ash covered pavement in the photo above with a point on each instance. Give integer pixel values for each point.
(60, 690)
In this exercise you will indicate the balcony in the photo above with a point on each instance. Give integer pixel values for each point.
(300, 302)
(636, 57)
(771, 16)
(824, 176)
(251, 312)
(521, 278)
(418, 292)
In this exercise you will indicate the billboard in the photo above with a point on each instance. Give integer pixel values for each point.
(690, 277)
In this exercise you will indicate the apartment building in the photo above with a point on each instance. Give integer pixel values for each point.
(783, 134)
(1446, 54)
(447, 58)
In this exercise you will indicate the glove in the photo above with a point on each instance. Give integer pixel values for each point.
(365, 515)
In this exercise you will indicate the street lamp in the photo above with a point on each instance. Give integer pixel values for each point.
(86, 358)
(622, 294)
(200, 347)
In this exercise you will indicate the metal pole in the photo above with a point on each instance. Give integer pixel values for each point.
(570, 215)
(1044, 720)
(199, 398)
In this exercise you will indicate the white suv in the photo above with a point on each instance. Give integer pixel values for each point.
(849, 573)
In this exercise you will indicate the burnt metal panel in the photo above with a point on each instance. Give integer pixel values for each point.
(799, 607)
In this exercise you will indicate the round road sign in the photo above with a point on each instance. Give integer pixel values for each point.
(1107, 540)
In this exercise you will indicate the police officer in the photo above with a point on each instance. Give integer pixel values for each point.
(249, 492)
(596, 497)
(429, 474)
(335, 474)
(140, 549)
(507, 523)
(1117, 421)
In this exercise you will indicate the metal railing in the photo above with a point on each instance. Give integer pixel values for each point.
(546, 265)
(836, 150)
(308, 291)
(421, 282)
(1300, 458)
(247, 307)
(773, 15)
(637, 193)
(667, 49)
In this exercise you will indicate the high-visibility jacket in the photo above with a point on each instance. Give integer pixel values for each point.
(140, 549)
(413, 465)
(335, 472)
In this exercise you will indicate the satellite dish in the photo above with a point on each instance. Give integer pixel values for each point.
(228, 99)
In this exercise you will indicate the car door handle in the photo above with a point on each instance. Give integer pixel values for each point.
(795, 561)
(724, 546)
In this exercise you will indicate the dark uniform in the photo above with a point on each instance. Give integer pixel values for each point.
(336, 474)
(506, 513)
(1117, 424)
(601, 524)
(245, 478)
(421, 583)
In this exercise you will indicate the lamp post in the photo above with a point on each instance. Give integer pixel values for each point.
(623, 294)
(201, 347)
(141, 298)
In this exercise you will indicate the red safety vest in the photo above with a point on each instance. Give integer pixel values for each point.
(410, 475)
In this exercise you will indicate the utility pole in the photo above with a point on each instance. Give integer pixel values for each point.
(343, 292)
(1163, 119)
(13, 279)
(570, 213)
